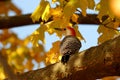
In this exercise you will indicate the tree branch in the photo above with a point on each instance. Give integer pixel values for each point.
(93, 63)
(16, 21)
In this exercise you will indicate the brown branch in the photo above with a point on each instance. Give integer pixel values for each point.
(93, 63)
(105, 25)
(16, 21)
(110, 27)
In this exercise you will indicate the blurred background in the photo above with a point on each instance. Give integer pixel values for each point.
(89, 32)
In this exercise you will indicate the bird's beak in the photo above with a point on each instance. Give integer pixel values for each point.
(60, 29)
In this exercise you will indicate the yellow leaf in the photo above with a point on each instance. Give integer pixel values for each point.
(22, 51)
(55, 46)
(72, 5)
(75, 18)
(46, 14)
(51, 58)
(26, 41)
(107, 33)
(29, 65)
(2, 75)
(103, 8)
(15, 60)
(54, 1)
(36, 14)
(38, 58)
(62, 2)
(78, 34)
(53, 55)
(91, 4)
(38, 53)
(69, 9)
(111, 24)
(116, 24)
(54, 24)
(108, 20)
(82, 4)
(42, 10)
(56, 12)
(38, 34)
(39, 48)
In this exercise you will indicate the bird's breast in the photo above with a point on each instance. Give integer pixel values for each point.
(70, 44)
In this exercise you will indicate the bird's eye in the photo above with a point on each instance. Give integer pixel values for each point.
(64, 29)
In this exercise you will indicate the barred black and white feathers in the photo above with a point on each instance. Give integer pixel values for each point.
(69, 46)
(70, 43)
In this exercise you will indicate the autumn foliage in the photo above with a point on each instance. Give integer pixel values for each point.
(20, 55)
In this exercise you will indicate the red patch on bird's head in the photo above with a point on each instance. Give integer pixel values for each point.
(71, 31)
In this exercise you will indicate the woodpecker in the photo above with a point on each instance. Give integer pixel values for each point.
(70, 43)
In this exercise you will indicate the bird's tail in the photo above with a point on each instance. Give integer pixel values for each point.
(65, 58)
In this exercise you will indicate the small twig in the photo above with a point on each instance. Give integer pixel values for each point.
(105, 25)
(110, 27)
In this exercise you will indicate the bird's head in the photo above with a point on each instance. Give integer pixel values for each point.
(68, 30)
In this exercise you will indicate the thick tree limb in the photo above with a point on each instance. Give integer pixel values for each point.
(16, 21)
(95, 62)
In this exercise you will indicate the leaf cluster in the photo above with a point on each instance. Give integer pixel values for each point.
(63, 13)
(66, 12)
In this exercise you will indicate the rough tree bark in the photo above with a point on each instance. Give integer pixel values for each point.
(93, 63)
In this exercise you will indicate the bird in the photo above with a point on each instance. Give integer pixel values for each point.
(70, 43)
